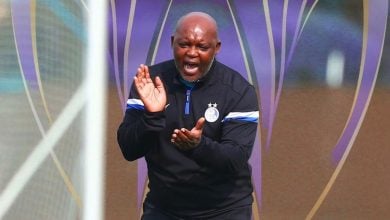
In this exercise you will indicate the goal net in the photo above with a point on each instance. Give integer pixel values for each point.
(52, 77)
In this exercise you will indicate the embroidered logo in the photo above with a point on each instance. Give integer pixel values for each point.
(211, 114)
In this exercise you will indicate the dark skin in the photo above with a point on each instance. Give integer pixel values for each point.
(195, 44)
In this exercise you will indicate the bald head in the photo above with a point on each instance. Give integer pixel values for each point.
(198, 18)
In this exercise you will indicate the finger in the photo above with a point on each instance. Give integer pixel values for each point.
(184, 135)
(138, 83)
(143, 78)
(135, 80)
(146, 70)
(200, 123)
(141, 71)
(140, 74)
(173, 140)
(147, 74)
(187, 134)
(174, 136)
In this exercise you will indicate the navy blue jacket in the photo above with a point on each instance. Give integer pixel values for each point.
(216, 175)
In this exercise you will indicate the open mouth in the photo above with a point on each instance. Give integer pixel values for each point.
(191, 67)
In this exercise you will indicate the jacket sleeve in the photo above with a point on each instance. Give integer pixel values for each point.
(239, 127)
(139, 130)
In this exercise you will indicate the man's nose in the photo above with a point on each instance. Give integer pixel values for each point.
(192, 51)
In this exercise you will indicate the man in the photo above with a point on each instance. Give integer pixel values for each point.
(195, 121)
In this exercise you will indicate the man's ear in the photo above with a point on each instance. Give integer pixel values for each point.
(172, 39)
(218, 46)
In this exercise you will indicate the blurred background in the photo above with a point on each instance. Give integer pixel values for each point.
(319, 67)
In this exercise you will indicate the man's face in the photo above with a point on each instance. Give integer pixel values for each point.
(194, 49)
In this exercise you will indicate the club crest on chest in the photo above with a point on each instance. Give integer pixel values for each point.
(211, 114)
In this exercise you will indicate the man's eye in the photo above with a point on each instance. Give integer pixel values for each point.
(183, 45)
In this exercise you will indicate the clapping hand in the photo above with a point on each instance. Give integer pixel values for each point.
(151, 93)
(185, 139)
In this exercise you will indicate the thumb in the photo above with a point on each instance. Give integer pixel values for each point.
(200, 123)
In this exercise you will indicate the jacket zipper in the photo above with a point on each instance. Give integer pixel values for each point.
(189, 88)
(187, 106)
